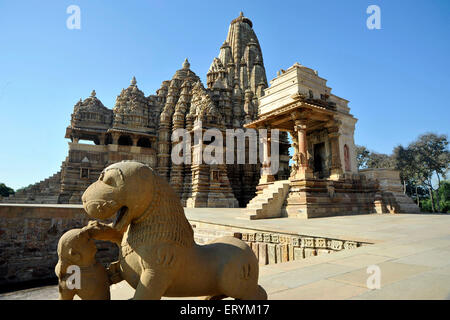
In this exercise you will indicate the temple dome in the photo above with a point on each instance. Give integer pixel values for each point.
(178, 94)
(132, 108)
(130, 100)
(91, 112)
(185, 72)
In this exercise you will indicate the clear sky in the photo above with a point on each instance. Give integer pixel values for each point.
(396, 78)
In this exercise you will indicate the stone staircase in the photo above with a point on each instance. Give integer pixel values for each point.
(45, 191)
(268, 204)
(397, 202)
(393, 200)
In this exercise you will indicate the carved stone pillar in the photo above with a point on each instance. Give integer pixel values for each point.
(135, 141)
(336, 166)
(115, 138)
(300, 127)
(102, 139)
(303, 172)
(266, 174)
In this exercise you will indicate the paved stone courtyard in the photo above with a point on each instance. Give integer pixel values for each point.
(411, 250)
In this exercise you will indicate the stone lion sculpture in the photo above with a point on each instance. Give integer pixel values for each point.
(158, 255)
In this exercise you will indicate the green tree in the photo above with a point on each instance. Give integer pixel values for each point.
(432, 158)
(444, 196)
(379, 160)
(5, 191)
(362, 155)
(371, 159)
(404, 162)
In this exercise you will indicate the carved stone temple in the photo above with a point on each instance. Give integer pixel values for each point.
(324, 178)
(139, 127)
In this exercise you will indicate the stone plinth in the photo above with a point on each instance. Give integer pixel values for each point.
(390, 197)
(313, 198)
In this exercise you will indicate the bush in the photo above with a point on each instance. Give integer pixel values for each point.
(425, 205)
(444, 199)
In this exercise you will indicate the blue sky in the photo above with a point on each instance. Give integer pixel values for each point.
(396, 78)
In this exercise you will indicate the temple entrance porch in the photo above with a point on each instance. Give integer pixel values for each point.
(319, 184)
(324, 178)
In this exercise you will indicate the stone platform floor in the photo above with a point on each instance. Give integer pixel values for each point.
(412, 252)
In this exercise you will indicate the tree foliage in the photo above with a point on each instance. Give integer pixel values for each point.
(380, 160)
(371, 159)
(5, 191)
(362, 155)
(420, 163)
(431, 158)
(443, 196)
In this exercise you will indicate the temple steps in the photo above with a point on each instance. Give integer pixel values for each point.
(397, 202)
(268, 203)
(45, 191)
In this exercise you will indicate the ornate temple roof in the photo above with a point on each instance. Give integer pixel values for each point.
(91, 103)
(177, 94)
(133, 110)
(91, 112)
(185, 72)
(130, 100)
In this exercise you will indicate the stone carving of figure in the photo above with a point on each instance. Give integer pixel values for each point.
(295, 166)
(77, 248)
(295, 158)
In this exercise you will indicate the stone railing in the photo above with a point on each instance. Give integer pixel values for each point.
(273, 248)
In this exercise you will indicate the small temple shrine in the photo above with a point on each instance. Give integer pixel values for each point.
(324, 178)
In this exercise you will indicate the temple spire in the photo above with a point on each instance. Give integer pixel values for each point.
(186, 64)
(93, 93)
(133, 81)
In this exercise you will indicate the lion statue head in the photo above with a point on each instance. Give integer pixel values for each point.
(131, 194)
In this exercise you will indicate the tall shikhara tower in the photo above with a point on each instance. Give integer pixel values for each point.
(240, 62)
(239, 72)
(140, 128)
(235, 80)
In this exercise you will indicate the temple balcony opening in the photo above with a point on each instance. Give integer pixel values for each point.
(125, 140)
(144, 142)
